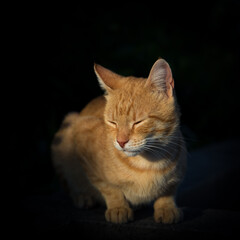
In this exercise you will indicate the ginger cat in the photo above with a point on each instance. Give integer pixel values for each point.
(125, 148)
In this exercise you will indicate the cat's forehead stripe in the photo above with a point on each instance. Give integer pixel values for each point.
(163, 120)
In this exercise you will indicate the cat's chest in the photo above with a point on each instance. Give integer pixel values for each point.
(141, 181)
(142, 187)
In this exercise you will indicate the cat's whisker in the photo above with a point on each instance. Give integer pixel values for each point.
(178, 142)
(170, 145)
(167, 140)
(157, 154)
(177, 146)
(159, 148)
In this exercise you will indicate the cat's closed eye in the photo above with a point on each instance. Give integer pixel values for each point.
(112, 123)
(137, 123)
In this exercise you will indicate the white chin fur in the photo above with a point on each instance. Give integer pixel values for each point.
(131, 154)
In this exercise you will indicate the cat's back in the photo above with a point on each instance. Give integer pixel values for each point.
(94, 108)
(78, 129)
(77, 132)
(89, 127)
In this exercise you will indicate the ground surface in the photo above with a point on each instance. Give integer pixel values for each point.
(209, 198)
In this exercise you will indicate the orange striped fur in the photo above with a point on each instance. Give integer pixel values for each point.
(125, 148)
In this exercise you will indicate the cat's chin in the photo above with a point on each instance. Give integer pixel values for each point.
(131, 153)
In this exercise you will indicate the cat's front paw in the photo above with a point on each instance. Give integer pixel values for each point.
(119, 215)
(167, 215)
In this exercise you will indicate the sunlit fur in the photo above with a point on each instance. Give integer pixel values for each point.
(95, 168)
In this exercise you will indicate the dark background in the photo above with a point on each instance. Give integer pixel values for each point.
(58, 44)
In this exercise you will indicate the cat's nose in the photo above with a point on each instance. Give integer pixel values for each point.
(122, 143)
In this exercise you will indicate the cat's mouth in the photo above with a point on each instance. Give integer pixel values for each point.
(131, 153)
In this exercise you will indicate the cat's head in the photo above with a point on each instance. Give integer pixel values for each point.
(139, 111)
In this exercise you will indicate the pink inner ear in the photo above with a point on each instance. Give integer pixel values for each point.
(170, 87)
(169, 83)
(169, 78)
(172, 83)
(161, 77)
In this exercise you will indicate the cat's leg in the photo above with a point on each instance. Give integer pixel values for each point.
(84, 197)
(118, 210)
(68, 166)
(84, 200)
(76, 184)
(166, 211)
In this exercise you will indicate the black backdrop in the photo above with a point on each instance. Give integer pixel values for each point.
(56, 46)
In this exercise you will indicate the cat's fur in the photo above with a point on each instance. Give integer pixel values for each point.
(125, 148)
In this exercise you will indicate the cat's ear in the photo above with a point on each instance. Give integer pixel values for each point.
(160, 77)
(108, 80)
